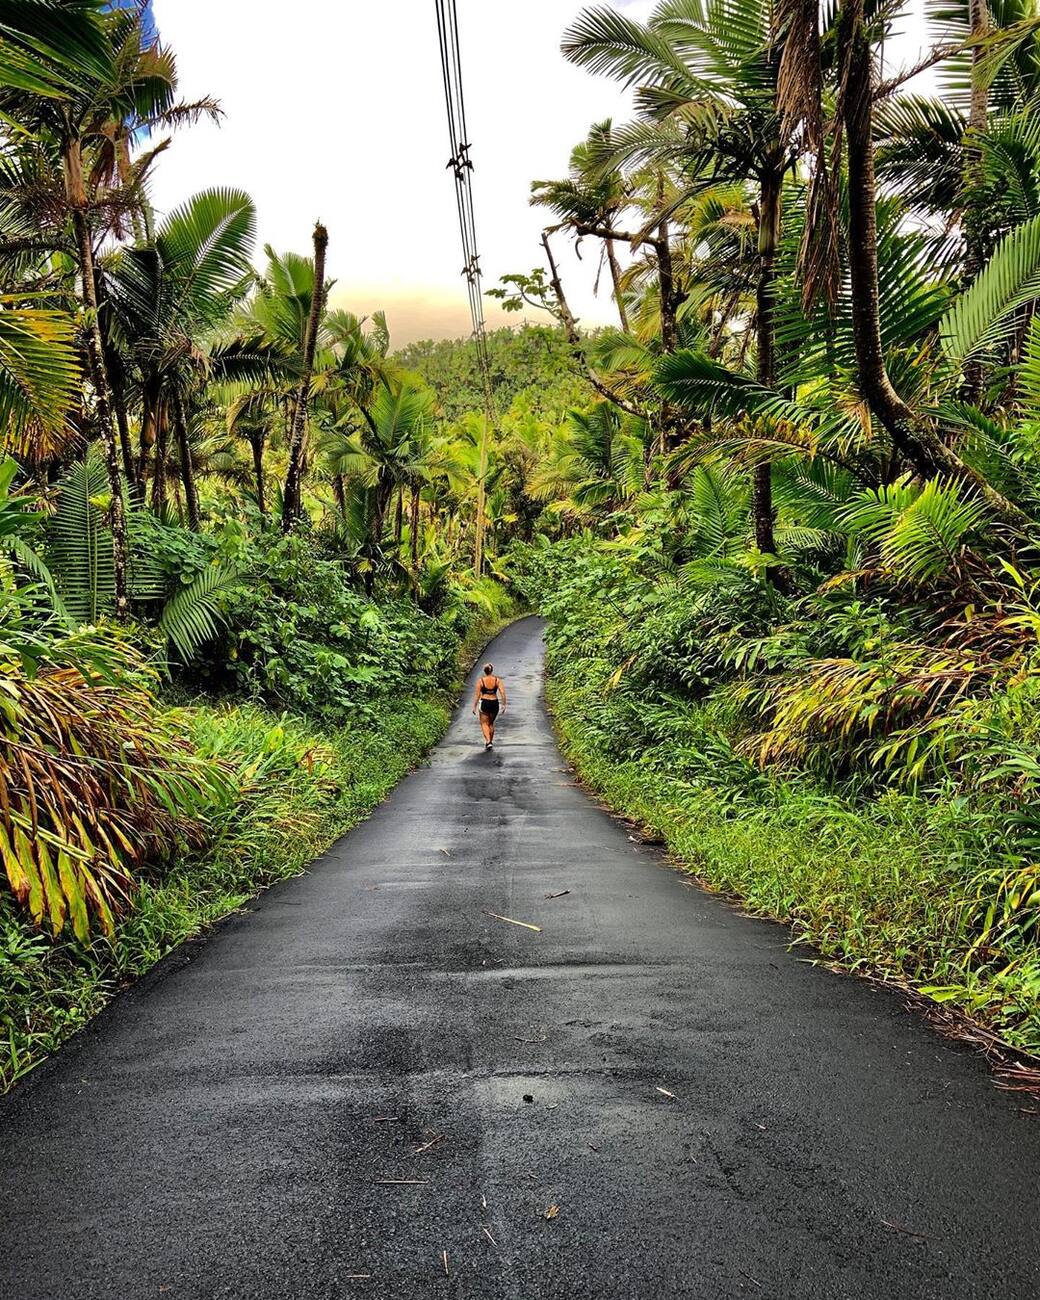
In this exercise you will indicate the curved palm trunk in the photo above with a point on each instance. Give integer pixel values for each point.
(570, 328)
(294, 474)
(191, 493)
(615, 276)
(77, 197)
(914, 439)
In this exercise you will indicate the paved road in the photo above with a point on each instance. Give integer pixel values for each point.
(232, 1127)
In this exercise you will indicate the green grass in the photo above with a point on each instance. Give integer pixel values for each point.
(899, 887)
(300, 787)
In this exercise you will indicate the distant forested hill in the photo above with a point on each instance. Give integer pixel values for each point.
(534, 361)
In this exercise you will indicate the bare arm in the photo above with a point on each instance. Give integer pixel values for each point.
(476, 695)
(502, 693)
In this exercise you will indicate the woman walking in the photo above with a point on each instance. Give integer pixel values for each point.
(490, 690)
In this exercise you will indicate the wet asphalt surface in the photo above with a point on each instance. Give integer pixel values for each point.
(230, 1127)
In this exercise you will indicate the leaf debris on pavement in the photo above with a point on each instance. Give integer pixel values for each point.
(551, 1212)
(561, 894)
(437, 1137)
(665, 1093)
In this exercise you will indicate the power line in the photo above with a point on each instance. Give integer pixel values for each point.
(461, 165)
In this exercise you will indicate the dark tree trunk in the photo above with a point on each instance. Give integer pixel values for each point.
(294, 476)
(977, 246)
(256, 442)
(77, 197)
(382, 500)
(415, 521)
(765, 330)
(340, 492)
(914, 439)
(191, 493)
(399, 516)
(150, 402)
(162, 443)
(125, 446)
(570, 329)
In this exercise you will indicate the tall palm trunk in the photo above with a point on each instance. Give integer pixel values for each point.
(414, 523)
(256, 443)
(191, 493)
(339, 491)
(77, 197)
(123, 425)
(294, 474)
(151, 398)
(977, 247)
(914, 439)
(765, 330)
(162, 442)
(399, 515)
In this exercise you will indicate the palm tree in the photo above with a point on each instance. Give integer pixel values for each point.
(294, 475)
(72, 101)
(592, 197)
(707, 77)
(165, 298)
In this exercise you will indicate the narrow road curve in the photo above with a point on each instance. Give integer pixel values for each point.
(368, 1074)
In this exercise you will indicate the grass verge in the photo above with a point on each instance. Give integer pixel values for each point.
(886, 889)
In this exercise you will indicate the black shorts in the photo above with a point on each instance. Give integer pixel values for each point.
(489, 708)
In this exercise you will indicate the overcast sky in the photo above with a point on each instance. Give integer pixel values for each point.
(334, 110)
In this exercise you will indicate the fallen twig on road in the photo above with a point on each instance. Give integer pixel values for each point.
(526, 924)
(907, 1232)
(561, 894)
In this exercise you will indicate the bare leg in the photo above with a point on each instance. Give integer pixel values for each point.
(487, 727)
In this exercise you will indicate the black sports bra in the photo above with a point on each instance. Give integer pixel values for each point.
(488, 692)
